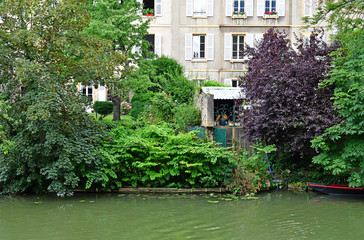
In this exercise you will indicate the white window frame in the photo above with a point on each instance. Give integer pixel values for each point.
(196, 46)
(238, 46)
(201, 13)
(239, 7)
(190, 48)
(280, 8)
(248, 8)
(270, 8)
(228, 45)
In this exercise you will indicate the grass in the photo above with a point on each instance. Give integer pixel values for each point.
(108, 117)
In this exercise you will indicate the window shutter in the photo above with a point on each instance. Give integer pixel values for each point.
(314, 7)
(228, 40)
(158, 44)
(189, 9)
(281, 8)
(249, 40)
(307, 6)
(228, 82)
(249, 8)
(258, 38)
(102, 94)
(260, 8)
(210, 47)
(158, 8)
(188, 47)
(229, 8)
(210, 8)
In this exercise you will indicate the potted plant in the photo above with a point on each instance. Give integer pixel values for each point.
(148, 12)
(270, 13)
(239, 14)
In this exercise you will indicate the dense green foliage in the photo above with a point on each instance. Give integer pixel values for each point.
(170, 79)
(120, 23)
(48, 142)
(342, 146)
(165, 90)
(251, 173)
(165, 65)
(209, 83)
(155, 156)
(103, 108)
(187, 115)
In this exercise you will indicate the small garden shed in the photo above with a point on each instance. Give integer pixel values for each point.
(220, 108)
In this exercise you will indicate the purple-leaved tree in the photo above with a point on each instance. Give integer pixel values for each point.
(288, 108)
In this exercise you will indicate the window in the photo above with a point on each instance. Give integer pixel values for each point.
(148, 4)
(235, 43)
(239, 5)
(270, 6)
(199, 46)
(87, 91)
(310, 7)
(275, 8)
(232, 8)
(154, 6)
(238, 45)
(199, 7)
(234, 83)
(150, 39)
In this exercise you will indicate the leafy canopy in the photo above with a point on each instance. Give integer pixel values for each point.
(48, 141)
(342, 145)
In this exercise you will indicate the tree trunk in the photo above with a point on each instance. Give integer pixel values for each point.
(116, 101)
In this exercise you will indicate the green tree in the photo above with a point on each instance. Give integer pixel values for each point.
(170, 78)
(48, 140)
(342, 146)
(122, 24)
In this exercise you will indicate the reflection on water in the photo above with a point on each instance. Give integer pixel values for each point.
(276, 215)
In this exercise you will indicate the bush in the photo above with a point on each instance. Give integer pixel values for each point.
(161, 108)
(164, 65)
(252, 173)
(155, 156)
(187, 115)
(209, 83)
(103, 108)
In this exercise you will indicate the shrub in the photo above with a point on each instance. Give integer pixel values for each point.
(187, 115)
(210, 83)
(125, 108)
(155, 156)
(252, 173)
(165, 64)
(103, 108)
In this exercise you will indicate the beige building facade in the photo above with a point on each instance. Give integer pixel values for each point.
(206, 36)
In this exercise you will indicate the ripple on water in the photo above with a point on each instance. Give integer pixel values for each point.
(278, 215)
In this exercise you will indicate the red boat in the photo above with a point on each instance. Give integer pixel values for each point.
(336, 189)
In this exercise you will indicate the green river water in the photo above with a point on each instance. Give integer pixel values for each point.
(275, 215)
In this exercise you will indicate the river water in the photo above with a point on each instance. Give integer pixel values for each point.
(275, 215)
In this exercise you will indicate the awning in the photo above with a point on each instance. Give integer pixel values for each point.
(229, 93)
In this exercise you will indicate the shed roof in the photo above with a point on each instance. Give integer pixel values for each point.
(229, 93)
